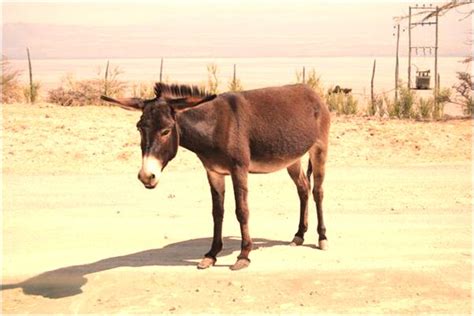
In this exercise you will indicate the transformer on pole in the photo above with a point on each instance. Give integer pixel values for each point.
(423, 76)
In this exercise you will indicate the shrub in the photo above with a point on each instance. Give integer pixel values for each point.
(342, 103)
(469, 107)
(212, 80)
(404, 105)
(143, 90)
(376, 107)
(32, 94)
(88, 91)
(350, 104)
(443, 97)
(334, 101)
(11, 88)
(392, 109)
(425, 108)
(112, 86)
(313, 80)
(464, 90)
(235, 85)
(84, 92)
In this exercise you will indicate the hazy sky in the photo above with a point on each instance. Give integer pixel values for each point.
(212, 28)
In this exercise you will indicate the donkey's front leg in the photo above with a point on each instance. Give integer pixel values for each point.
(239, 181)
(217, 183)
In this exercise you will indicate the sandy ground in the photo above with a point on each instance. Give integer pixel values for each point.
(81, 235)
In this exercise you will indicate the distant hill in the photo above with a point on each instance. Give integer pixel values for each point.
(147, 41)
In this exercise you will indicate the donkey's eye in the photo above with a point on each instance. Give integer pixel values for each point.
(165, 132)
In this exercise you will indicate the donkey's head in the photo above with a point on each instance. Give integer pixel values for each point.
(158, 127)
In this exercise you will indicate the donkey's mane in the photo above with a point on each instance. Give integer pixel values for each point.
(178, 91)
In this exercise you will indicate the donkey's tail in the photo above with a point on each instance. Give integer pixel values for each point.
(8, 286)
(309, 171)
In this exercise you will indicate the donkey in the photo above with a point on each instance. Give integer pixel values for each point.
(237, 133)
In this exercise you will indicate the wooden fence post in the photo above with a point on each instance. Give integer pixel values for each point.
(32, 97)
(396, 64)
(161, 70)
(372, 97)
(106, 83)
(235, 74)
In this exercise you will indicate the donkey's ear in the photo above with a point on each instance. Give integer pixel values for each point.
(183, 104)
(126, 103)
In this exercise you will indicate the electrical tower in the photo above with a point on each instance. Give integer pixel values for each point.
(411, 48)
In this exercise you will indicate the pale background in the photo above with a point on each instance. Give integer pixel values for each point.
(212, 28)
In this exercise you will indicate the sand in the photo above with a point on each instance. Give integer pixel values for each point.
(82, 235)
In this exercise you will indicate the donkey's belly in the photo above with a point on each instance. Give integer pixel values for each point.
(270, 165)
(255, 166)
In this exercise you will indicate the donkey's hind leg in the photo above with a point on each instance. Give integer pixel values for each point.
(302, 184)
(317, 157)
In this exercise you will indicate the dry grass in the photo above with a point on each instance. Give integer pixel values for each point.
(12, 91)
(87, 92)
(49, 138)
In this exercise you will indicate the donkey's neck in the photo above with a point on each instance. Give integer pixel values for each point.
(196, 128)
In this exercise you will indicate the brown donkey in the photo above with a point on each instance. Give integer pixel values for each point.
(237, 133)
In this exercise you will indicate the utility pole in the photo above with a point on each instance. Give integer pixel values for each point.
(396, 63)
(423, 22)
(436, 58)
(409, 48)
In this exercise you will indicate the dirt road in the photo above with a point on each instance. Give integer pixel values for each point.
(81, 234)
(400, 242)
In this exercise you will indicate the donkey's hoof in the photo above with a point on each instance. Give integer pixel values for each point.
(323, 244)
(297, 241)
(206, 262)
(240, 264)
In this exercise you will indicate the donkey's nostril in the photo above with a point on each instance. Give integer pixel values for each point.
(152, 176)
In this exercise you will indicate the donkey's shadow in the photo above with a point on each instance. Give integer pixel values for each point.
(68, 281)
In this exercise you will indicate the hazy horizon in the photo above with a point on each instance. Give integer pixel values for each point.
(210, 28)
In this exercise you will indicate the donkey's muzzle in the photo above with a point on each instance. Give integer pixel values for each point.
(150, 172)
(149, 180)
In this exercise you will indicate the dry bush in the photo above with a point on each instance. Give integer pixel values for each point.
(313, 80)
(113, 86)
(143, 90)
(32, 93)
(425, 108)
(212, 80)
(464, 89)
(235, 85)
(408, 106)
(12, 91)
(84, 92)
(404, 105)
(443, 97)
(342, 103)
(376, 108)
(88, 91)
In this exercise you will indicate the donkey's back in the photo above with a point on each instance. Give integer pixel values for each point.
(277, 124)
